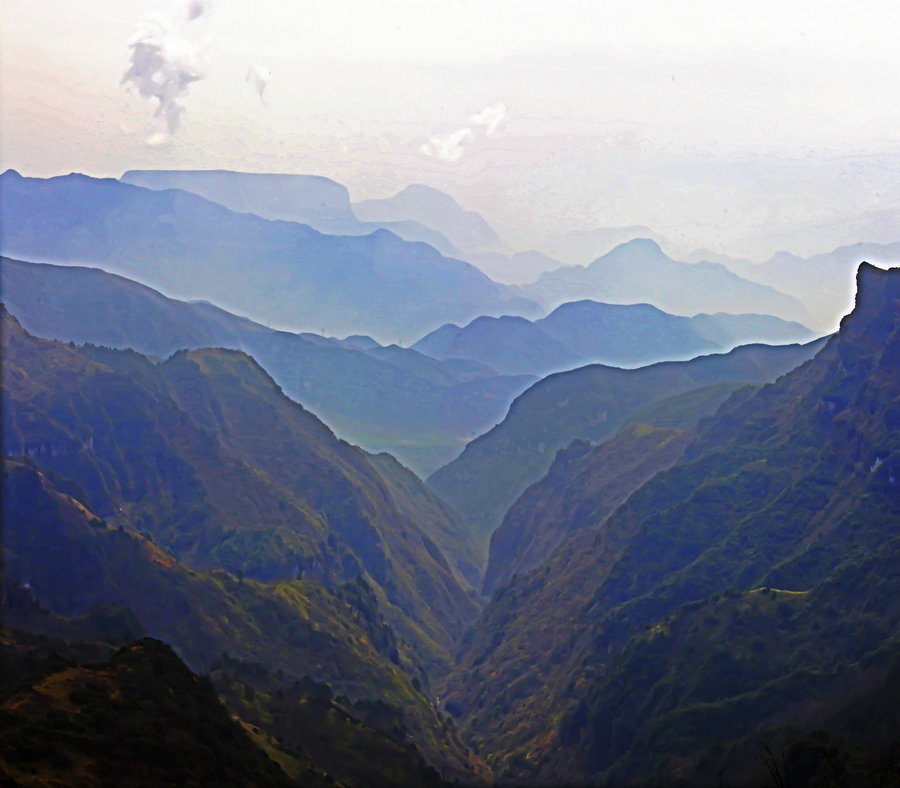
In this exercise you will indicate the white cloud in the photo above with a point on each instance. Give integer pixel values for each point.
(490, 118)
(448, 147)
(258, 77)
(165, 60)
(451, 147)
(158, 139)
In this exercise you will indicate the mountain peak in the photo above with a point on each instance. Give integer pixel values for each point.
(637, 247)
(876, 288)
(642, 244)
(421, 191)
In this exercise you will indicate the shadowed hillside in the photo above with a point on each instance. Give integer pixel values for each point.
(383, 398)
(749, 587)
(589, 403)
(205, 455)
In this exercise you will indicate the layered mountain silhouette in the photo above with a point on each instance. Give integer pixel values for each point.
(748, 589)
(589, 403)
(639, 271)
(641, 572)
(320, 202)
(466, 230)
(833, 274)
(279, 272)
(383, 398)
(582, 247)
(204, 454)
(516, 268)
(585, 332)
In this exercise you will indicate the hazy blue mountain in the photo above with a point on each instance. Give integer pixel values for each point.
(513, 269)
(382, 398)
(823, 282)
(308, 199)
(730, 330)
(590, 403)
(504, 343)
(466, 230)
(818, 237)
(279, 272)
(585, 332)
(703, 255)
(639, 271)
(580, 247)
(320, 202)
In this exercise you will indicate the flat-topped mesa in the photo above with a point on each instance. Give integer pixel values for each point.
(309, 199)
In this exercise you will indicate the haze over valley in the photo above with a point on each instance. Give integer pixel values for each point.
(397, 396)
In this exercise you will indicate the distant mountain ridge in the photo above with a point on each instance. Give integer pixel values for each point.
(585, 332)
(315, 200)
(589, 403)
(272, 271)
(581, 247)
(383, 398)
(825, 283)
(639, 271)
(466, 230)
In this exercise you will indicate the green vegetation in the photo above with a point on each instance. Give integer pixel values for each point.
(750, 587)
(141, 718)
(204, 455)
(713, 600)
(590, 403)
(296, 629)
(583, 486)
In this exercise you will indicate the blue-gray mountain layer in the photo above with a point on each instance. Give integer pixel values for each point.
(272, 271)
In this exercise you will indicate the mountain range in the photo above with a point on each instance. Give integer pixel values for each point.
(319, 202)
(676, 563)
(638, 271)
(582, 247)
(585, 332)
(73, 576)
(205, 455)
(833, 274)
(741, 598)
(466, 230)
(272, 271)
(589, 403)
(383, 398)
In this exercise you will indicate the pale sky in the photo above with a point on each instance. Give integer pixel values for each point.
(724, 125)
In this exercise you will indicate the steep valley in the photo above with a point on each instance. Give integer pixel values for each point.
(697, 588)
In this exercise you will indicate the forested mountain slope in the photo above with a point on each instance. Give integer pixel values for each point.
(588, 403)
(750, 586)
(207, 456)
(383, 398)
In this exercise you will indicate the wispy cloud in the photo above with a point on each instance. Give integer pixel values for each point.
(448, 147)
(451, 147)
(259, 77)
(166, 58)
(491, 119)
